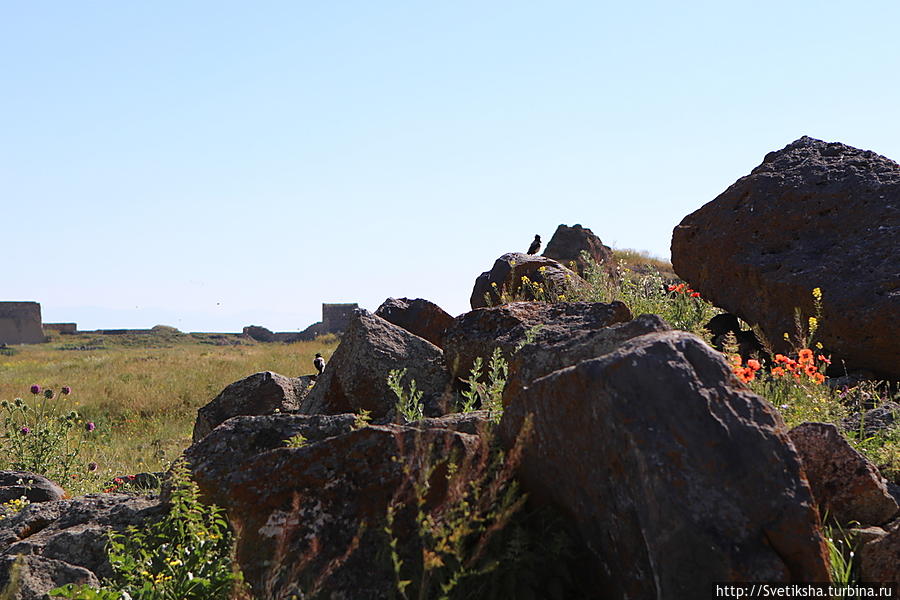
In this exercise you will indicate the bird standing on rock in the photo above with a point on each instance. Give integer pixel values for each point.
(535, 245)
(319, 363)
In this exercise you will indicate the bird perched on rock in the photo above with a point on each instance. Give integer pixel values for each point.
(535, 245)
(319, 363)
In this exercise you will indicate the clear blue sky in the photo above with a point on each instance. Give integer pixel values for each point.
(209, 165)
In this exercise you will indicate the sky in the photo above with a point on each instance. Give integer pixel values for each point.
(214, 164)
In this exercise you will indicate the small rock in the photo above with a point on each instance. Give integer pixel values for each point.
(36, 488)
(420, 317)
(879, 559)
(259, 394)
(846, 486)
(356, 375)
(505, 277)
(568, 243)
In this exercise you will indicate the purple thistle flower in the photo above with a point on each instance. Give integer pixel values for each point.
(66, 390)
(35, 389)
(48, 393)
(90, 426)
(25, 430)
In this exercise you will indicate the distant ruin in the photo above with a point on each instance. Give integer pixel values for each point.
(20, 323)
(335, 319)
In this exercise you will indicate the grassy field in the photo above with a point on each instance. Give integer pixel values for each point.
(142, 392)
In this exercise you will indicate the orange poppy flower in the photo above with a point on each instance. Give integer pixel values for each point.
(778, 372)
(753, 364)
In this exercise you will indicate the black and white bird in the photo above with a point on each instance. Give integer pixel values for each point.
(319, 363)
(535, 245)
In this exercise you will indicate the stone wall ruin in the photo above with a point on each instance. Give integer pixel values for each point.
(20, 323)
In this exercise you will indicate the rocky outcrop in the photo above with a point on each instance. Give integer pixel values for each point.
(813, 214)
(259, 334)
(259, 394)
(34, 487)
(65, 541)
(420, 317)
(311, 518)
(505, 279)
(846, 486)
(508, 327)
(356, 375)
(568, 243)
(674, 473)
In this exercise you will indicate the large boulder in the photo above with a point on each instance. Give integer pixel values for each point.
(568, 342)
(34, 487)
(68, 538)
(504, 280)
(845, 485)
(356, 375)
(212, 459)
(311, 518)
(262, 393)
(421, 317)
(814, 214)
(508, 327)
(675, 474)
(568, 243)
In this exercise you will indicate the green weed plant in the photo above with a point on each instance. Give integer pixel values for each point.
(452, 553)
(409, 401)
(187, 555)
(486, 389)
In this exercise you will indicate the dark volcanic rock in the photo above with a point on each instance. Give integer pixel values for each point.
(874, 421)
(356, 375)
(506, 277)
(568, 243)
(311, 518)
(563, 344)
(37, 488)
(879, 559)
(421, 317)
(259, 394)
(814, 214)
(845, 485)
(68, 537)
(212, 460)
(674, 473)
(476, 333)
(30, 577)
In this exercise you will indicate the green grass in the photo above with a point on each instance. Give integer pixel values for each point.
(142, 391)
